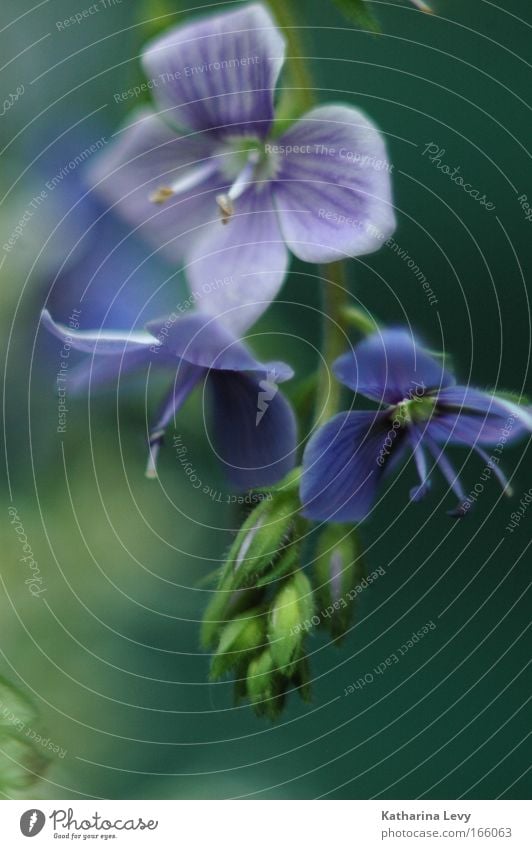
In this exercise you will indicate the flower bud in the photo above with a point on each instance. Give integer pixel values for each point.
(223, 606)
(262, 536)
(243, 635)
(265, 688)
(301, 679)
(292, 606)
(337, 571)
(286, 564)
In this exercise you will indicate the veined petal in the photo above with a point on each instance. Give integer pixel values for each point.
(147, 158)
(203, 341)
(332, 185)
(236, 269)
(100, 341)
(416, 441)
(447, 470)
(219, 73)
(95, 372)
(466, 416)
(105, 271)
(390, 366)
(254, 429)
(343, 464)
(186, 379)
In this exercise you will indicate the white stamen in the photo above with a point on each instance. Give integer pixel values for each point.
(225, 201)
(190, 180)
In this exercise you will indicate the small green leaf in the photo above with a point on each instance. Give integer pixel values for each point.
(22, 762)
(360, 320)
(358, 12)
(15, 708)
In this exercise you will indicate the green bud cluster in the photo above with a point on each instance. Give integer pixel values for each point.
(262, 595)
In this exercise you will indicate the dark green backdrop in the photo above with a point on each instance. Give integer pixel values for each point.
(112, 659)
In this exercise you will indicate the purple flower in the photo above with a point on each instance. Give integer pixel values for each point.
(423, 411)
(253, 426)
(205, 158)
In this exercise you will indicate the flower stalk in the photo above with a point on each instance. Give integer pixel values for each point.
(301, 76)
(334, 341)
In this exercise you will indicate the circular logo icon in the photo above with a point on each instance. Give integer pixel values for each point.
(32, 822)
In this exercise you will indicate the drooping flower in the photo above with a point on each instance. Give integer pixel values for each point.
(422, 410)
(205, 157)
(255, 440)
(102, 269)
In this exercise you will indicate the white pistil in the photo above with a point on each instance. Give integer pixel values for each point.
(225, 201)
(190, 180)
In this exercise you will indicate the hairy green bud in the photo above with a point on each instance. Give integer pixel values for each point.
(337, 571)
(240, 637)
(291, 607)
(265, 688)
(263, 535)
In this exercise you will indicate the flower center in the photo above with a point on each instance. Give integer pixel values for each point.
(417, 409)
(243, 179)
(248, 163)
(239, 163)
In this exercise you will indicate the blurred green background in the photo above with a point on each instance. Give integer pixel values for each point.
(109, 654)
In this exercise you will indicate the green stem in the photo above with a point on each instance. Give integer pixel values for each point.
(301, 77)
(334, 340)
(333, 281)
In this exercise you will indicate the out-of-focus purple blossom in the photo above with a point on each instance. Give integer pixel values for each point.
(255, 450)
(422, 410)
(205, 181)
